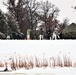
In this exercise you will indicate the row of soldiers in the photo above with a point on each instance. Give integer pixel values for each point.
(40, 35)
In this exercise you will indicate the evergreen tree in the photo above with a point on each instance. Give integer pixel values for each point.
(14, 29)
(3, 23)
(12, 23)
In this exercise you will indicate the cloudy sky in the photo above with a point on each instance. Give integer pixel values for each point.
(65, 6)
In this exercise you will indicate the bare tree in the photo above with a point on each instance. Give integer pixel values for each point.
(64, 24)
(31, 14)
(16, 9)
(48, 13)
(25, 13)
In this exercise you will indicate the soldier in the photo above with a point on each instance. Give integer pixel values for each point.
(41, 34)
(55, 34)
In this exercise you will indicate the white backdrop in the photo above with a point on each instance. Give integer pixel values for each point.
(32, 47)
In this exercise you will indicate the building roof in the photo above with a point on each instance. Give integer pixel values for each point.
(70, 29)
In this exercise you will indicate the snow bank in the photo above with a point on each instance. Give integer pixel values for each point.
(56, 70)
(43, 71)
(14, 49)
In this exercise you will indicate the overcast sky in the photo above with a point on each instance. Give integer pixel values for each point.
(65, 9)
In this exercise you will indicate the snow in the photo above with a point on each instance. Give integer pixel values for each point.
(46, 71)
(40, 49)
(56, 70)
(50, 48)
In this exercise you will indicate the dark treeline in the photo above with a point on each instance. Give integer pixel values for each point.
(39, 17)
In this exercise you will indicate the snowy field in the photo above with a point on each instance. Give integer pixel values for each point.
(42, 51)
(42, 71)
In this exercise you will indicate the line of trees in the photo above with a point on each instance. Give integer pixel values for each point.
(27, 14)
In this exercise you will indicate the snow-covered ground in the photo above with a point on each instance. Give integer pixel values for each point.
(41, 49)
(30, 47)
(56, 70)
(46, 71)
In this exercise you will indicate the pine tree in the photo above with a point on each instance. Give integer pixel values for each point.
(3, 23)
(12, 23)
(14, 28)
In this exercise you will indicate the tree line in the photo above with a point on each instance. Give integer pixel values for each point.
(29, 14)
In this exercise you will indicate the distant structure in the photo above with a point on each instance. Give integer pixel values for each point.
(69, 32)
